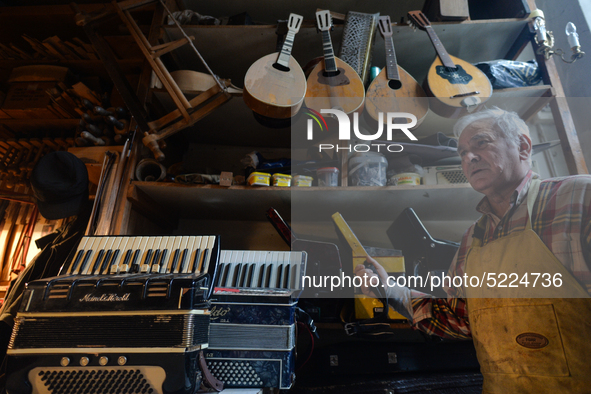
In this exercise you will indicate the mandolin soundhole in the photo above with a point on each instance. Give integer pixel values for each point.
(455, 75)
(333, 78)
(394, 84)
(280, 67)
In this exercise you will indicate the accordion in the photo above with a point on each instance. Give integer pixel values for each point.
(252, 330)
(126, 315)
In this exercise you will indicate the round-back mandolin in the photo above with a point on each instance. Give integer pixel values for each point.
(275, 85)
(457, 85)
(333, 84)
(394, 89)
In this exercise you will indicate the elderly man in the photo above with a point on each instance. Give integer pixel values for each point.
(529, 337)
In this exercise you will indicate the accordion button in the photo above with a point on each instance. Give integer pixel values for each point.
(122, 360)
(84, 361)
(65, 361)
(103, 360)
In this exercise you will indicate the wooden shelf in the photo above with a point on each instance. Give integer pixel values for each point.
(53, 123)
(231, 50)
(83, 67)
(312, 203)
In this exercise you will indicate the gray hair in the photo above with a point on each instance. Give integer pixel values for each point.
(509, 123)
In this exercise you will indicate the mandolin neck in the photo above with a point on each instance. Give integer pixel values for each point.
(330, 64)
(285, 53)
(391, 64)
(439, 48)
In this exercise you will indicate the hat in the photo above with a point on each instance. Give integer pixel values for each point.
(60, 185)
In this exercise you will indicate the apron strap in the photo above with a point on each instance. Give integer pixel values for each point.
(532, 194)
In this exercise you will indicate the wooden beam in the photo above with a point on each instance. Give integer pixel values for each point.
(563, 119)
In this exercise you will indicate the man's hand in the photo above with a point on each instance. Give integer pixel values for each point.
(399, 297)
(371, 268)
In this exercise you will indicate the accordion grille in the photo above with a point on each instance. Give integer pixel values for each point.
(110, 331)
(97, 381)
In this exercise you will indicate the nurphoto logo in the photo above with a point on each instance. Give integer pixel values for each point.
(393, 121)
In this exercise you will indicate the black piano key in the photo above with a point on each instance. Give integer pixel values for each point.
(134, 265)
(196, 260)
(97, 262)
(261, 277)
(154, 258)
(105, 265)
(267, 279)
(77, 260)
(127, 258)
(175, 261)
(279, 276)
(162, 260)
(113, 259)
(184, 257)
(286, 277)
(235, 276)
(249, 276)
(206, 253)
(223, 274)
(242, 278)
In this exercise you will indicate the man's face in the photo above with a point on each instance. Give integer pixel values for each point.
(490, 161)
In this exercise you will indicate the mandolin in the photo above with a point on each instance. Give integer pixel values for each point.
(394, 89)
(457, 85)
(332, 83)
(275, 85)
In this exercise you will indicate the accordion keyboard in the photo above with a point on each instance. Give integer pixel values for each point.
(104, 255)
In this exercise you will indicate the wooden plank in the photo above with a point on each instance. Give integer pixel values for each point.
(538, 105)
(563, 120)
(156, 64)
(176, 114)
(122, 215)
(519, 44)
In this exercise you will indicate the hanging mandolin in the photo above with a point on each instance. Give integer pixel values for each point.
(275, 85)
(333, 84)
(394, 89)
(456, 84)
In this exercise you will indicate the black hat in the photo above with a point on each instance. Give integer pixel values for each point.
(60, 185)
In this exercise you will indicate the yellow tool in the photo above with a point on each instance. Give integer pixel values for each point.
(358, 249)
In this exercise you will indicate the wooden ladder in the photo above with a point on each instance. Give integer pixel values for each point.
(187, 112)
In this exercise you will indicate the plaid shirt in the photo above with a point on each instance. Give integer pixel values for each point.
(561, 216)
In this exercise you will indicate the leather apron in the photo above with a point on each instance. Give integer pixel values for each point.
(528, 340)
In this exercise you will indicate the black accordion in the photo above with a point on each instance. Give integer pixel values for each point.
(127, 315)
